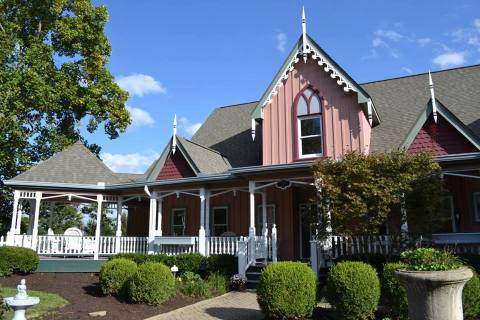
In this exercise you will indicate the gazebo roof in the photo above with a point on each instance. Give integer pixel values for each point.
(75, 164)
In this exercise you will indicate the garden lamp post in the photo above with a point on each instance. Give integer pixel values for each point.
(174, 270)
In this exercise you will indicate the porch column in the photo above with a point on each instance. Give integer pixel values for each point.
(207, 213)
(31, 216)
(201, 232)
(19, 217)
(38, 199)
(159, 217)
(251, 189)
(118, 233)
(151, 222)
(264, 212)
(16, 197)
(97, 227)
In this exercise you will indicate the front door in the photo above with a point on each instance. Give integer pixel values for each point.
(305, 212)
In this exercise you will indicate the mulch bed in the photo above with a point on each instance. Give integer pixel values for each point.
(83, 293)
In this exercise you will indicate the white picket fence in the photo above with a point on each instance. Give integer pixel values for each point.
(3, 241)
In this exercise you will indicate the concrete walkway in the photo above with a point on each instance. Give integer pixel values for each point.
(230, 306)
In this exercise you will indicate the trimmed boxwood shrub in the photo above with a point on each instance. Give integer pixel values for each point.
(471, 298)
(376, 260)
(152, 284)
(287, 290)
(224, 264)
(353, 289)
(17, 260)
(394, 294)
(189, 262)
(115, 276)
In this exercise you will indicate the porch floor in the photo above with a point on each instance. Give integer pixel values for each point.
(61, 265)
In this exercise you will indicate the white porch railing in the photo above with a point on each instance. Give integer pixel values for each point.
(133, 245)
(3, 241)
(176, 245)
(323, 252)
(222, 245)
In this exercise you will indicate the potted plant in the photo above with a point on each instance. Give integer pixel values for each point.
(237, 282)
(434, 281)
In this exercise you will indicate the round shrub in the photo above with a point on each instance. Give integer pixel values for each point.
(17, 260)
(189, 262)
(393, 292)
(287, 290)
(471, 298)
(353, 289)
(115, 275)
(153, 283)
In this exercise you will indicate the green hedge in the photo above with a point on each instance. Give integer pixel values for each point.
(287, 290)
(152, 284)
(471, 298)
(17, 260)
(376, 260)
(394, 294)
(115, 276)
(353, 289)
(188, 262)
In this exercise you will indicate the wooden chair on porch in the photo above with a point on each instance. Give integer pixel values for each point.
(76, 243)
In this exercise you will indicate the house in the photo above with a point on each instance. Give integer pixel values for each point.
(242, 183)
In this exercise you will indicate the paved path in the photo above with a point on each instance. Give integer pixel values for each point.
(230, 306)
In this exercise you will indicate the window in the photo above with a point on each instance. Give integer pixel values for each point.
(309, 124)
(178, 221)
(219, 220)
(476, 204)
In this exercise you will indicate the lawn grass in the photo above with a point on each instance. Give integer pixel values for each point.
(48, 302)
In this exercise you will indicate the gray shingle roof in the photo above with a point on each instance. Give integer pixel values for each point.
(205, 159)
(76, 164)
(400, 101)
(227, 130)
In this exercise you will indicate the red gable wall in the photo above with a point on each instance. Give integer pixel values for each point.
(440, 139)
(175, 167)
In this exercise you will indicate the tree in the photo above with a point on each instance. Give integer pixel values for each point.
(64, 217)
(53, 76)
(363, 192)
(107, 223)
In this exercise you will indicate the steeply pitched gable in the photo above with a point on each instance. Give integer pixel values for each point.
(448, 136)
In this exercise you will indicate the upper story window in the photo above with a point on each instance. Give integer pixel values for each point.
(309, 124)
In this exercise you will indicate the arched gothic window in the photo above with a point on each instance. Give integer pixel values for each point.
(309, 124)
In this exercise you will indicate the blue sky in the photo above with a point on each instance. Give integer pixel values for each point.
(188, 57)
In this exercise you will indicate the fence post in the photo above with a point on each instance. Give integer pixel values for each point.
(274, 243)
(314, 257)
(242, 258)
(265, 244)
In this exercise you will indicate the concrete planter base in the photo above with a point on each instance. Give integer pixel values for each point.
(435, 295)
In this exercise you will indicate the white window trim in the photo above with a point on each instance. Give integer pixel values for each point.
(476, 196)
(184, 211)
(300, 137)
(213, 219)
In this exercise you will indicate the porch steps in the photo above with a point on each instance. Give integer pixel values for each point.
(253, 275)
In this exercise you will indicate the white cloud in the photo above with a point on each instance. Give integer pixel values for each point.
(140, 117)
(424, 41)
(187, 126)
(407, 70)
(140, 84)
(389, 34)
(377, 42)
(450, 59)
(476, 24)
(281, 41)
(131, 162)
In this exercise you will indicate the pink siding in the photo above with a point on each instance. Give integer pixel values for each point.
(345, 127)
(175, 167)
(440, 139)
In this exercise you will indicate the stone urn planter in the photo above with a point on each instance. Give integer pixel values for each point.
(435, 295)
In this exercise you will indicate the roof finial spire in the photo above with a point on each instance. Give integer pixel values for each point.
(304, 35)
(432, 94)
(253, 130)
(174, 137)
